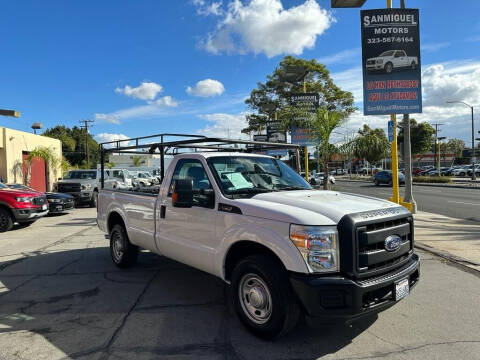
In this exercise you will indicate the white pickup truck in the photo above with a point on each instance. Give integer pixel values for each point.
(390, 60)
(285, 248)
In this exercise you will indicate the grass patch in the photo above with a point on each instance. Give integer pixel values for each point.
(432, 179)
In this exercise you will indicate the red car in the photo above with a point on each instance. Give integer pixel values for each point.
(20, 206)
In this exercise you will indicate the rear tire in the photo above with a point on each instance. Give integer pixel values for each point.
(263, 298)
(377, 183)
(6, 221)
(124, 254)
(413, 65)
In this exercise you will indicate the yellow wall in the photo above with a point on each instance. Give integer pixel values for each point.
(14, 142)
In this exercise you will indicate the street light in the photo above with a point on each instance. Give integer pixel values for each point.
(439, 153)
(473, 132)
(347, 3)
(12, 113)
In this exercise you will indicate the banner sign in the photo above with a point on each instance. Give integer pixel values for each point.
(391, 61)
(307, 101)
(390, 131)
(275, 132)
(301, 136)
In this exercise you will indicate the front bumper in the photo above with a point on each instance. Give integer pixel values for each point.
(338, 297)
(27, 215)
(83, 196)
(374, 67)
(55, 208)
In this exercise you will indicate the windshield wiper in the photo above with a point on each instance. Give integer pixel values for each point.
(249, 191)
(287, 187)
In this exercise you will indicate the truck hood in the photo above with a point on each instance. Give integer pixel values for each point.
(310, 207)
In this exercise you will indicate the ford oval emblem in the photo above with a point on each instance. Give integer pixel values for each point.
(392, 243)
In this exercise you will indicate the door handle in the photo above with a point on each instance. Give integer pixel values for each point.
(163, 210)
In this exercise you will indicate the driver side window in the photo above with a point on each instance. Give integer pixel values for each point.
(192, 169)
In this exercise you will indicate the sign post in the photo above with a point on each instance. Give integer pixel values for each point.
(391, 70)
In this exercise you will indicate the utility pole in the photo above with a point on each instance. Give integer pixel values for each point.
(85, 126)
(437, 152)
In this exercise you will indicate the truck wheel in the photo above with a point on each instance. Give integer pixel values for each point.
(6, 221)
(377, 183)
(388, 67)
(413, 66)
(123, 253)
(93, 202)
(263, 298)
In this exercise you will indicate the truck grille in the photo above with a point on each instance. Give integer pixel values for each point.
(370, 62)
(68, 187)
(372, 257)
(39, 201)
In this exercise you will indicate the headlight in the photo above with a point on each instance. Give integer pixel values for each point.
(24, 199)
(86, 187)
(379, 61)
(56, 201)
(318, 246)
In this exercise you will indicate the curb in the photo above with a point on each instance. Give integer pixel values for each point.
(462, 263)
(420, 184)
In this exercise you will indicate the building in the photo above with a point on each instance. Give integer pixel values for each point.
(128, 160)
(15, 147)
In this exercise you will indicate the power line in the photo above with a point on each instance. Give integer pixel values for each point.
(85, 126)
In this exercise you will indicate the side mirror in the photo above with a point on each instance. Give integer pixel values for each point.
(182, 193)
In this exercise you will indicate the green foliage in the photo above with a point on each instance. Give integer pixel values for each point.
(51, 162)
(73, 145)
(274, 94)
(137, 160)
(432, 179)
(456, 146)
(422, 137)
(371, 144)
(110, 165)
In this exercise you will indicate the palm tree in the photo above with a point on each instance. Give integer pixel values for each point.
(136, 160)
(371, 144)
(321, 124)
(110, 165)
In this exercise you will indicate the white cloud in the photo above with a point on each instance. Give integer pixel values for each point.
(350, 80)
(109, 118)
(342, 57)
(206, 88)
(224, 125)
(167, 101)
(264, 26)
(145, 91)
(431, 47)
(107, 137)
(204, 8)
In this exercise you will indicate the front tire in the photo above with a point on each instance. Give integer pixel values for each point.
(377, 183)
(93, 202)
(413, 65)
(6, 221)
(124, 254)
(263, 298)
(388, 67)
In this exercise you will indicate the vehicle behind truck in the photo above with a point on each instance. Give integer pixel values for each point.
(285, 249)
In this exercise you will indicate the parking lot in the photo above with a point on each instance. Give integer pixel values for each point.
(61, 297)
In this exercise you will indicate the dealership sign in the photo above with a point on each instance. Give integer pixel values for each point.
(391, 61)
(306, 102)
(302, 137)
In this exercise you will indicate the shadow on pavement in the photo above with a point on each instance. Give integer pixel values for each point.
(76, 303)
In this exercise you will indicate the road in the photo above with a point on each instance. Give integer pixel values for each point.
(453, 202)
(62, 298)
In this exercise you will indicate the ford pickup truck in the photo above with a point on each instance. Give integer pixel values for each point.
(391, 60)
(284, 248)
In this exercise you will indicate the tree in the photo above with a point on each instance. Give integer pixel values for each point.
(136, 160)
(110, 165)
(422, 137)
(274, 94)
(347, 149)
(73, 145)
(456, 146)
(371, 144)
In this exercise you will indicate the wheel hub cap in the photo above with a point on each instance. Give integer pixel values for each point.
(255, 298)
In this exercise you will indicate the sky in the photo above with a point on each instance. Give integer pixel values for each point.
(140, 67)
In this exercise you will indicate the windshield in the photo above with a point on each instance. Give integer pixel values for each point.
(387, 53)
(253, 175)
(81, 175)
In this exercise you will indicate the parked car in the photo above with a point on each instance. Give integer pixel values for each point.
(391, 60)
(57, 202)
(21, 206)
(416, 171)
(83, 185)
(317, 179)
(284, 247)
(434, 172)
(477, 170)
(385, 177)
(462, 171)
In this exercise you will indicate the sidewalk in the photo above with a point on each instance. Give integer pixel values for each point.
(455, 239)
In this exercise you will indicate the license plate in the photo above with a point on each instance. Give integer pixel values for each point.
(44, 207)
(402, 289)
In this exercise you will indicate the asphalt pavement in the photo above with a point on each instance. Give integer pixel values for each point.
(62, 298)
(453, 202)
